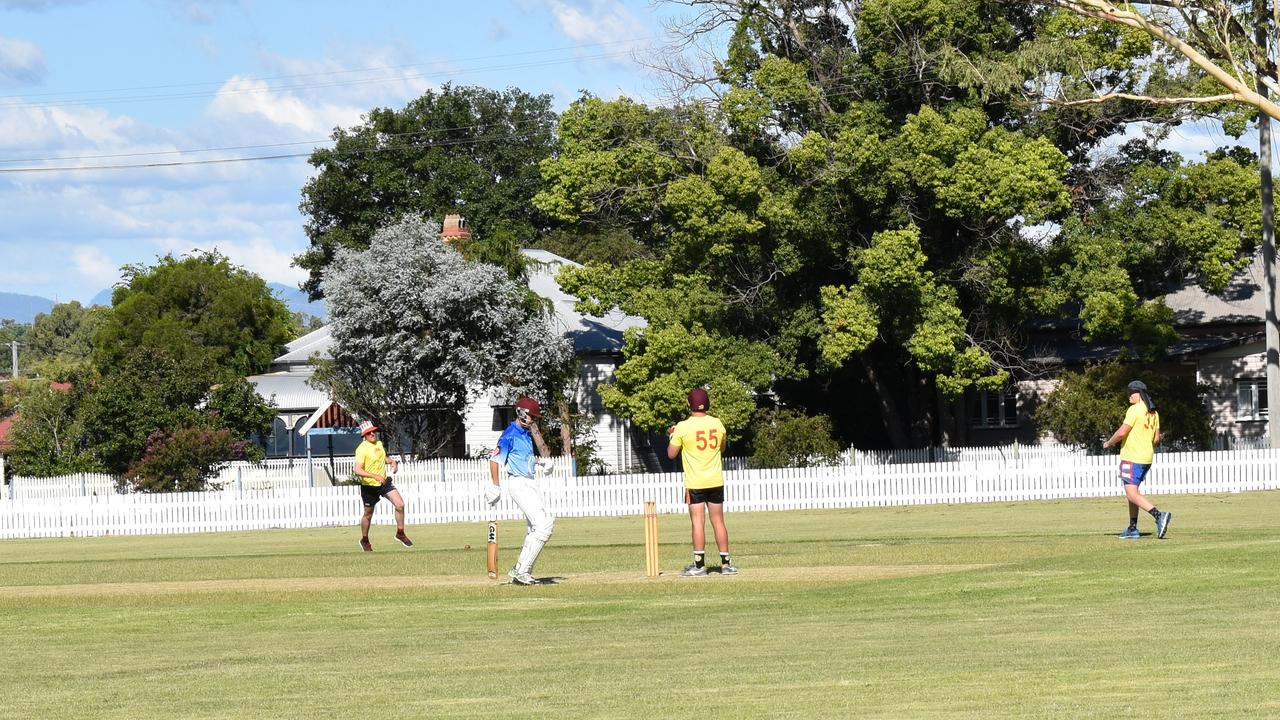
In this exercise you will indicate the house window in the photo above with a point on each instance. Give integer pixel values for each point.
(1251, 398)
(995, 410)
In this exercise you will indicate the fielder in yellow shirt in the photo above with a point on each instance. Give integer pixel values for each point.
(699, 441)
(375, 484)
(1140, 432)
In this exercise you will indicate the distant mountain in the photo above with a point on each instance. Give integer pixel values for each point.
(297, 300)
(103, 298)
(22, 308)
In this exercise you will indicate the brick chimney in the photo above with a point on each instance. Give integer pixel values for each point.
(455, 228)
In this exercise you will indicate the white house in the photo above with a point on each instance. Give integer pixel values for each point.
(596, 341)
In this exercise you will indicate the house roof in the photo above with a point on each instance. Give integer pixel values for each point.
(1070, 351)
(589, 335)
(289, 389)
(1243, 302)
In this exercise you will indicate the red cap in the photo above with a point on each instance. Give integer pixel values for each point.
(698, 400)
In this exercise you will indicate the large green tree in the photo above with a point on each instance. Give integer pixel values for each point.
(868, 210)
(461, 149)
(201, 309)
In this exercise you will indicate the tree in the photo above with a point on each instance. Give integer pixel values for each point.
(154, 391)
(1086, 407)
(200, 310)
(418, 330)
(460, 149)
(861, 191)
(1228, 43)
(48, 435)
(62, 339)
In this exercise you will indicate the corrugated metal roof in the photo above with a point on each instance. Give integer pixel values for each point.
(289, 390)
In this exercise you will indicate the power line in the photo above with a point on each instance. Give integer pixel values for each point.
(308, 86)
(253, 158)
(336, 72)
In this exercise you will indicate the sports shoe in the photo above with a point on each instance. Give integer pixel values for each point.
(692, 570)
(366, 545)
(728, 569)
(524, 579)
(404, 539)
(1162, 524)
(1130, 533)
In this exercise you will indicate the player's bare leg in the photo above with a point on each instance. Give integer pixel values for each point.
(718, 527)
(397, 501)
(697, 519)
(722, 538)
(1134, 495)
(365, 521)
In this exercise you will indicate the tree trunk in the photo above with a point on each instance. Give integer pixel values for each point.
(889, 414)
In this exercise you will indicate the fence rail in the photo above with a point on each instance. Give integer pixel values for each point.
(452, 492)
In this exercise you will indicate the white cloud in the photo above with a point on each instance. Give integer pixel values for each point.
(597, 21)
(21, 62)
(259, 255)
(95, 266)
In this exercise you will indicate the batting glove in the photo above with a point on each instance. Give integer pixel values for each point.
(492, 494)
(547, 464)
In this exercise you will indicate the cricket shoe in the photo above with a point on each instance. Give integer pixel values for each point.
(524, 579)
(404, 539)
(1162, 524)
(728, 569)
(1130, 533)
(692, 570)
(366, 545)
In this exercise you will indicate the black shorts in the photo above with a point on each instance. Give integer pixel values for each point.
(371, 494)
(714, 495)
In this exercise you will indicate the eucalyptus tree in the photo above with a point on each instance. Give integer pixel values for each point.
(419, 331)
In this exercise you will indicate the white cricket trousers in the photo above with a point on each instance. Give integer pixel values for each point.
(525, 494)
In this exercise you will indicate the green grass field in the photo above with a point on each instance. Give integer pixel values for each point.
(1027, 610)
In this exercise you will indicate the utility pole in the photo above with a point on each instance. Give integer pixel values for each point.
(1262, 25)
(13, 348)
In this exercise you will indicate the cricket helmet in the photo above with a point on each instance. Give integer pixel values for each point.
(527, 407)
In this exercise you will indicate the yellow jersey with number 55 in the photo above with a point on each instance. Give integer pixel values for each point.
(700, 440)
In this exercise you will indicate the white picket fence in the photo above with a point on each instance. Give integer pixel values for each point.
(433, 494)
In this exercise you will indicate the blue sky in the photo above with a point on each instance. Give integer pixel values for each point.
(126, 82)
(92, 83)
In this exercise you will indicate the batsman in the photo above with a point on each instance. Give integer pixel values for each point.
(516, 454)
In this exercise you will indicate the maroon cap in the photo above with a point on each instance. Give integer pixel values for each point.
(698, 400)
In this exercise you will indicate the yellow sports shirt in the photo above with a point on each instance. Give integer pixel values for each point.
(1139, 444)
(700, 440)
(373, 459)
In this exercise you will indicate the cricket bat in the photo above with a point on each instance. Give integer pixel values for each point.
(493, 547)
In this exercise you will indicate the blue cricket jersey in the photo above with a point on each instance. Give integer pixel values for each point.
(515, 451)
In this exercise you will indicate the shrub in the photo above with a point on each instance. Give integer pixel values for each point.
(787, 438)
(184, 460)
